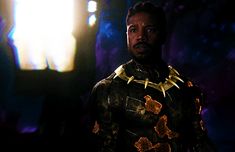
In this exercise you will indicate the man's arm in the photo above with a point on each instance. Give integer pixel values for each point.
(200, 140)
(105, 128)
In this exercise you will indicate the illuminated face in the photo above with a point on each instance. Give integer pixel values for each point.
(143, 40)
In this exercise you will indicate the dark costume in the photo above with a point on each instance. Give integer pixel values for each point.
(152, 109)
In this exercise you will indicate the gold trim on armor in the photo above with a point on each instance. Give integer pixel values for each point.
(163, 87)
(145, 145)
(152, 105)
(130, 79)
(162, 129)
(146, 83)
(96, 128)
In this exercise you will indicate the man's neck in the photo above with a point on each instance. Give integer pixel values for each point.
(150, 63)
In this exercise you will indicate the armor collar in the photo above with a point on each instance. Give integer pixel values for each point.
(155, 72)
(132, 74)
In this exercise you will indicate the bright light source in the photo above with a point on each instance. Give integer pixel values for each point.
(92, 20)
(92, 6)
(43, 34)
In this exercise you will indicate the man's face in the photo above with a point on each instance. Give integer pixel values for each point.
(143, 39)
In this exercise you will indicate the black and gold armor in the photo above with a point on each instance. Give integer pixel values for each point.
(143, 109)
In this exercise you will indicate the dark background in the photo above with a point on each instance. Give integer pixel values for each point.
(47, 104)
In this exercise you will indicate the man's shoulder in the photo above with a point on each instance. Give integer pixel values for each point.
(105, 82)
(191, 87)
(187, 80)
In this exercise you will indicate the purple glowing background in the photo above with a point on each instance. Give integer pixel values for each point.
(200, 45)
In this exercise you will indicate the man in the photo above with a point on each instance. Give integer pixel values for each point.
(146, 105)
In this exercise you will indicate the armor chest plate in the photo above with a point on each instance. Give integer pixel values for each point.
(145, 107)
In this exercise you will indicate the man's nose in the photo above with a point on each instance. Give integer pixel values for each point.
(142, 36)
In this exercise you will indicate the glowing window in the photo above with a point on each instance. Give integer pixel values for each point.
(42, 34)
(92, 20)
(92, 6)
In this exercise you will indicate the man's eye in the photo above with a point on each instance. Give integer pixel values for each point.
(151, 30)
(132, 30)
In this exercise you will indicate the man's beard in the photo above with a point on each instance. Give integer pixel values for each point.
(149, 57)
(141, 58)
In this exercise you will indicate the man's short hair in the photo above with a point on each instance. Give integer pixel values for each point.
(155, 11)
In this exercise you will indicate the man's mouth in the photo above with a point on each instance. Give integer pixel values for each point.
(142, 46)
